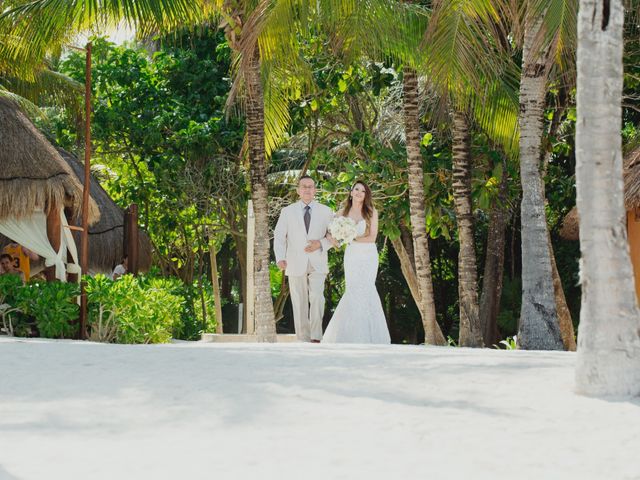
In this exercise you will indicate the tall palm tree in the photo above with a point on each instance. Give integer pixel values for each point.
(609, 338)
(546, 36)
(421, 257)
(473, 81)
(470, 327)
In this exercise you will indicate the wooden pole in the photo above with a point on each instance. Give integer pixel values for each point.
(132, 250)
(215, 282)
(251, 235)
(54, 234)
(84, 235)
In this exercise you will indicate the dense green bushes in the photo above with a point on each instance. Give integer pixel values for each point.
(130, 310)
(48, 308)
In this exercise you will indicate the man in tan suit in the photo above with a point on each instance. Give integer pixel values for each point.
(301, 251)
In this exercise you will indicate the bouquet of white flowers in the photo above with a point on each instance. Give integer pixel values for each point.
(343, 229)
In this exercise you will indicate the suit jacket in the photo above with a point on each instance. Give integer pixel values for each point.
(291, 238)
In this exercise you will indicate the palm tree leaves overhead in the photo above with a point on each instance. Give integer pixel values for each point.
(459, 50)
(468, 68)
(559, 20)
(57, 88)
(48, 24)
(495, 110)
(458, 44)
(374, 28)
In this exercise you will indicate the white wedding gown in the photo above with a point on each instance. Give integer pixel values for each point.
(359, 317)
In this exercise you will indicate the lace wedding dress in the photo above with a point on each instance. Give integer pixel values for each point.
(359, 317)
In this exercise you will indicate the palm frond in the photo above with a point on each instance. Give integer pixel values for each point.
(559, 21)
(459, 50)
(33, 29)
(276, 111)
(53, 87)
(495, 111)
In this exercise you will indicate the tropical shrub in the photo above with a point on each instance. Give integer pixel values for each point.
(132, 309)
(193, 322)
(53, 305)
(14, 322)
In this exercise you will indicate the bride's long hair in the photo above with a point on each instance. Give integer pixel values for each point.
(367, 205)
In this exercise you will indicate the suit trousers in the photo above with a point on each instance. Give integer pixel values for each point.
(307, 299)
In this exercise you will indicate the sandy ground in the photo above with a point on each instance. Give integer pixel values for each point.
(78, 410)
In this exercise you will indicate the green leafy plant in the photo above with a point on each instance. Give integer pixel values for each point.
(132, 310)
(10, 287)
(102, 308)
(53, 305)
(510, 343)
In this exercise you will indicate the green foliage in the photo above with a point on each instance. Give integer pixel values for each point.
(509, 343)
(10, 285)
(14, 322)
(192, 322)
(142, 310)
(147, 309)
(162, 140)
(53, 305)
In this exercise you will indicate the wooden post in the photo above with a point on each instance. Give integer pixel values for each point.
(54, 234)
(215, 282)
(130, 247)
(84, 234)
(125, 233)
(251, 235)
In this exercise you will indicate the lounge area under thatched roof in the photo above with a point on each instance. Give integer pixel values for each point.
(106, 236)
(631, 175)
(33, 175)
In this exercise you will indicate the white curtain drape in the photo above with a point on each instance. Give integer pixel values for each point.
(31, 232)
(70, 244)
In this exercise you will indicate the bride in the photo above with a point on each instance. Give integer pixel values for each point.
(359, 317)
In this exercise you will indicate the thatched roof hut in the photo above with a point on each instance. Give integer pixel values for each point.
(33, 175)
(106, 236)
(631, 175)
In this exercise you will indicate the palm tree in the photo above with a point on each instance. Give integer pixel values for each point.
(609, 338)
(472, 80)
(264, 314)
(470, 327)
(421, 258)
(545, 36)
(539, 328)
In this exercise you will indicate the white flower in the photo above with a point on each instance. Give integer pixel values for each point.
(343, 229)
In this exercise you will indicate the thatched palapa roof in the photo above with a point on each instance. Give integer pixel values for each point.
(631, 175)
(106, 236)
(33, 176)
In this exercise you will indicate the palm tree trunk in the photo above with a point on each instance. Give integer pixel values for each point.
(406, 265)
(494, 266)
(538, 319)
(564, 315)
(264, 316)
(425, 302)
(608, 360)
(470, 329)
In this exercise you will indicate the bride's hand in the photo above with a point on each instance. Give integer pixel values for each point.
(333, 241)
